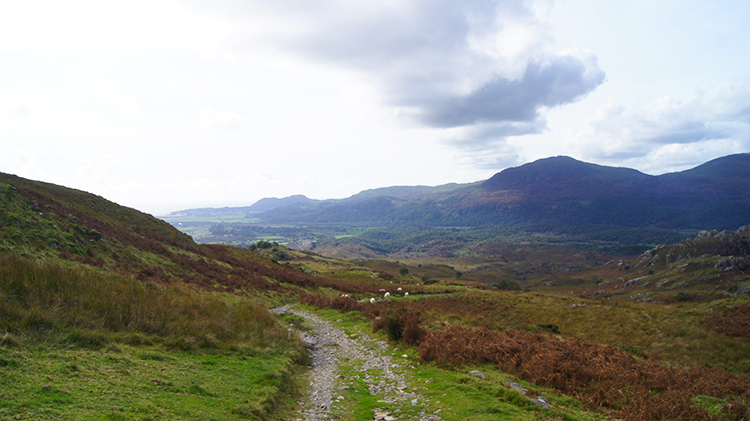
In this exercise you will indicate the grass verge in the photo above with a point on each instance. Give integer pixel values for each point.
(123, 382)
(79, 344)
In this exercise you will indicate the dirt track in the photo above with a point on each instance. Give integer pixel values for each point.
(330, 346)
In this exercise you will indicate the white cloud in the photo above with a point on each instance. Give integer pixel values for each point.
(105, 27)
(442, 63)
(222, 120)
(669, 133)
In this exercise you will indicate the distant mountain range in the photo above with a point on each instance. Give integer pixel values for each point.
(261, 205)
(552, 191)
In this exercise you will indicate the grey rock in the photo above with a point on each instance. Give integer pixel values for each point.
(731, 263)
(479, 374)
(517, 387)
(706, 234)
(541, 402)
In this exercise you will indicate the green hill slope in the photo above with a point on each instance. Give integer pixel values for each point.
(109, 313)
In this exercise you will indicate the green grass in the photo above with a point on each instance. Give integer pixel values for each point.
(461, 396)
(80, 344)
(59, 297)
(123, 382)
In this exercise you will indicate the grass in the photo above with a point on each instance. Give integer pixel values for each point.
(673, 331)
(123, 382)
(466, 397)
(60, 297)
(452, 394)
(78, 343)
(504, 329)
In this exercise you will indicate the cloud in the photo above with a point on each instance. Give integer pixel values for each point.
(17, 110)
(441, 63)
(662, 134)
(106, 28)
(484, 136)
(504, 100)
(222, 120)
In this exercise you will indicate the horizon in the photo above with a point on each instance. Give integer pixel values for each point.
(407, 186)
(175, 104)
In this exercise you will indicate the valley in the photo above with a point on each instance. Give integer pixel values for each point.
(109, 312)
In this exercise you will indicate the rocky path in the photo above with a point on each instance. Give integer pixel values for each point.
(383, 376)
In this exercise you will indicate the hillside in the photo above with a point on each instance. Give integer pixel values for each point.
(106, 310)
(711, 264)
(109, 313)
(557, 191)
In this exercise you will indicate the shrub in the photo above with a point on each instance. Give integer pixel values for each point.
(735, 321)
(506, 285)
(685, 296)
(600, 376)
(401, 326)
(549, 328)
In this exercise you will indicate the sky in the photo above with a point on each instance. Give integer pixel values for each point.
(163, 105)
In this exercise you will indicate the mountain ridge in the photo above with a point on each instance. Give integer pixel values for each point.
(556, 190)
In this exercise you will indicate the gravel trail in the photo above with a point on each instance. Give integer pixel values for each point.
(329, 346)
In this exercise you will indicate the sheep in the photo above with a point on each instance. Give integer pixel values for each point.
(406, 294)
(372, 301)
(387, 294)
(398, 289)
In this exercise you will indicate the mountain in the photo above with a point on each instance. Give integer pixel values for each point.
(407, 192)
(262, 205)
(552, 191)
(270, 203)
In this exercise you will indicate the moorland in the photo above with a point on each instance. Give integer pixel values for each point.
(614, 294)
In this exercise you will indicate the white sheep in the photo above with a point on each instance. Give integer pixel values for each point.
(398, 289)
(372, 301)
(406, 294)
(387, 294)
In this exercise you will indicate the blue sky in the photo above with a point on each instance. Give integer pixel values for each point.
(165, 105)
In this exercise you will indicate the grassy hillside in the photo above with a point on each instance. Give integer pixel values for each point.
(80, 344)
(106, 310)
